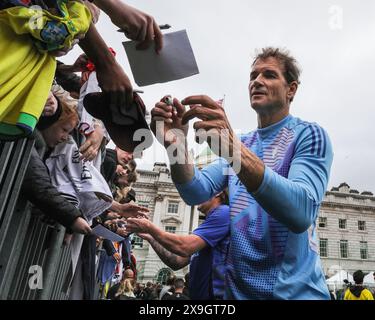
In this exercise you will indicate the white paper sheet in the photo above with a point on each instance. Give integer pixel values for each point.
(175, 61)
(105, 233)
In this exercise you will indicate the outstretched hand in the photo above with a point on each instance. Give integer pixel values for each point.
(130, 210)
(138, 225)
(137, 25)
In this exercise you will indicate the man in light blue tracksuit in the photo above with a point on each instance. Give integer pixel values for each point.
(276, 175)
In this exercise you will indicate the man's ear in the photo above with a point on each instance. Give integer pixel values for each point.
(292, 89)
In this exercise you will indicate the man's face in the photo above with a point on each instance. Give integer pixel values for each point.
(268, 88)
(123, 157)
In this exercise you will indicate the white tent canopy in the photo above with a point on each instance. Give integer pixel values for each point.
(339, 277)
(369, 279)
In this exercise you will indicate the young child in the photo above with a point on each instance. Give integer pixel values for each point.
(78, 181)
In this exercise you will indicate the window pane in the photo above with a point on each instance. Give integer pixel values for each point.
(138, 241)
(362, 225)
(143, 203)
(322, 222)
(344, 248)
(170, 229)
(363, 249)
(342, 223)
(323, 244)
(173, 207)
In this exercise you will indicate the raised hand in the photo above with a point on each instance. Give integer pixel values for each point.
(90, 148)
(166, 122)
(214, 126)
(129, 210)
(136, 25)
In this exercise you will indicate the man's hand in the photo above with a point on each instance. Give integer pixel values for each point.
(91, 147)
(113, 80)
(80, 64)
(138, 225)
(145, 236)
(80, 225)
(130, 210)
(113, 215)
(67, 239)
(214, 127)
(166, 122)
(123, 232)
(137, 25)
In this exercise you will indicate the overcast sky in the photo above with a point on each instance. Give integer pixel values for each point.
(333, 42)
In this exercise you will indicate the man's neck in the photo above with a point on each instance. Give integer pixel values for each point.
(266, 119)
(212, 208)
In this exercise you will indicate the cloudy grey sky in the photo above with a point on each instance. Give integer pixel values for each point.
(332, 40)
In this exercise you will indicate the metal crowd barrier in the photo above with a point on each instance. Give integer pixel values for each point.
(26, 242)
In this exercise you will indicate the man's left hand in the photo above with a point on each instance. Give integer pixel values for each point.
(131, 210)
(214, 127)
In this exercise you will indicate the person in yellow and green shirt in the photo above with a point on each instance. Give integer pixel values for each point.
(358, 291)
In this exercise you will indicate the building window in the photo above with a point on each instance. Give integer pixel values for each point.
(342, 223)
(137, 241)
(322, 222)
(163, 275)
(143, 203)
(173, 207)
(363, 249)
(344, 252)
(323, 245)
(362, 225)
(170, 229)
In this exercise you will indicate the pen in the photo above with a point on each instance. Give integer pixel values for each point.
(161, 27)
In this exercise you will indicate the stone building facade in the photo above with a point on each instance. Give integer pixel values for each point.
(346, 230)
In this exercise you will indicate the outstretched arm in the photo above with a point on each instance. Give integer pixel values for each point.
(111, 77)
(182, 245)
(136, 24)
(174, 261)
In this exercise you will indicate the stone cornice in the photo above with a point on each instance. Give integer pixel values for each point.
(347, 205)
(164, 184)
(147, 185)
(352, 195)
